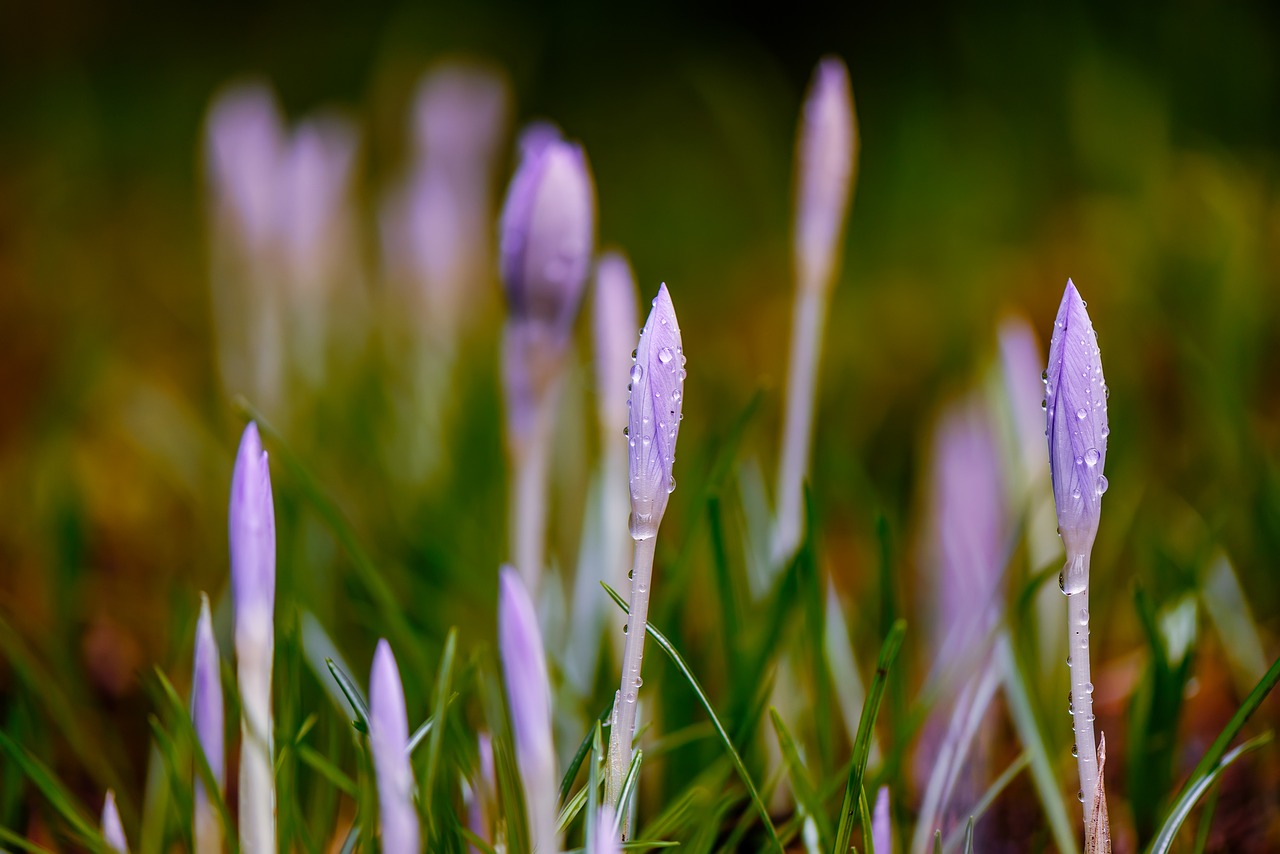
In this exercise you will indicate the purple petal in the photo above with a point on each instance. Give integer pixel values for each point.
(389, 742)
(825, 166)
(206, 698)
(460, 115)
(881, 822)
(614, 327)
(604, 840)
(653, 425)
(547, 234)
(244, 144)
(313, 202)
(253, 530)
(1076, 411)
(112, 829)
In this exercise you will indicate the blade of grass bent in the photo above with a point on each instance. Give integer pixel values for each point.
(661, 640)
(354, 696)
(866, 725)
(440, 706)
(801, 785)
(58, 797)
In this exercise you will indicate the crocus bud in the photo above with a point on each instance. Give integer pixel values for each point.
(604, 840)
(314, 201)
(1076, 411)
(881, 822)
(253, 532)
(825, 163)
(207, 720)
(614, 328)
(524, 669)
(653, 423)
(547, 232)
(112, 829)
(244, 143)
(389, 741)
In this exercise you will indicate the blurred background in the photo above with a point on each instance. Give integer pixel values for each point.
(1002, 151)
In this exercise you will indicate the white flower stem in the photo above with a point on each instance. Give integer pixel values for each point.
(254, 651)
(802, 375)
(531, 460)
(633, 652)
(1076, 584)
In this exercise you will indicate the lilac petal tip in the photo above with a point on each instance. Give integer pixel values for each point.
(252, 530)
(389, 741)
(112, 829)
(206, 696)
(547, 232)
(1076, 413)
(653, 424)
(881, 823)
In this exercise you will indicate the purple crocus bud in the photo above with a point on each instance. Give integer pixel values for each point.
(460, 115)
(614, 329)
(547, 233)
(825, 162)
(524, 669)
(1076, 411)
(604, 840)
(653, 424)
(881, 822)
(207, 720)
(314, 186)
(244, 143)
(389, 741)
(112, 829)
(253, 532)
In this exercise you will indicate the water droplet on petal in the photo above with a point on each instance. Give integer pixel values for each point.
(636, 373)
(665, 356)
(1075, 751)
(625, 627)
(1082, 413)
(1102, 484)
(1091, 456)
(671, 484)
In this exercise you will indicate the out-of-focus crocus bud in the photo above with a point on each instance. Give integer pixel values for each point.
(207, 720)
(604, 840)
(614, 330)
(389, 741)
(524, 669)
(244, 142)
(547, 234)
(112, 829)
(253, 585)
(1076, 411)
(882, 822)
(655, 411)
(825, 164)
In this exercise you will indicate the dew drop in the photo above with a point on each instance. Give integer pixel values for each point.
(1079, 460)
(1106, 431)
(1082, 413)
(1088, 686)
(1080, 797)
(1044, 375)
(665, 356)
(1102, 484)
(1090, 717)
(671, 484)
(625, 627)
(1068, 661)
(1044, 404)
(637, 682)
(1075, 493)
(631, 573)
(1062, 581)
(1075, 751)
(1091, 456)
(676, 396)
(626, 431)
(636, 373)
(631, 696)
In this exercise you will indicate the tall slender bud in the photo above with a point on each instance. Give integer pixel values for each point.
(112, 829)
(826, 163)
(1076, 412)
(389, 741)
(654, 415)
(1076, 425)
(882, 823)
(603, 840)
(253, 585)
(613, 327)
(207, 718)
(524, 669)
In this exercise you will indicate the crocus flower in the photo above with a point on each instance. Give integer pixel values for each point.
(389, 741)
(826, 158)
(112, 829)
(207, 720)
(253, 583)
(1076, 413)
(524, 669)
(653, 425)
(547, 234)
(882, 823)
(245, 137)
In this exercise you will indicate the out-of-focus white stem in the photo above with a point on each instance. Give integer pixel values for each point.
(1076, 584)
(633, 653)
(531, 461)
(208, 829)
(615, 537)
(797, 434)
(254, 651)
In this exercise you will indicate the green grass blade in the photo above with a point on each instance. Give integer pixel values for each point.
(866, 725)
(1206, 821)
(570, 810)
(59, 798)
(627, 791)
(571, 774)
(354, 696)
(440, 707)
(661, 640)
(8, 837)
(864, 818)
(968, 837)
(801, 784)
(1214, 760)
(989, 796)
(322, 766)
(937, 842)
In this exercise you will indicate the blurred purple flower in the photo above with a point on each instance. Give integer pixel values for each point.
(253, 532)
(1076, 412)
(313, 200)
(547, 233)
(825, 163)
(614, 329)
(389, 741)
(208, 722)
(653, 424)
(604, 840)
(524, 668)
(882, 823)
(245, 138)
(112, 829)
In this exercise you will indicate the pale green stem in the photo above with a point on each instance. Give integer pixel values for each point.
(1076, 586)
(633, 653)
(797, 434)
(254, 651)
